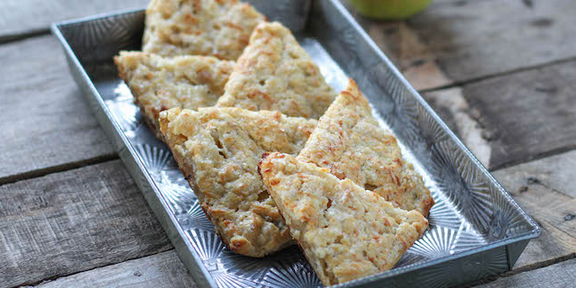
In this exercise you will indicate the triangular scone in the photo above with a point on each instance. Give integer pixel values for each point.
(350, 142)
(346, 232)
(275, 73)
(159, 83)
(219, 28)
(218, 150)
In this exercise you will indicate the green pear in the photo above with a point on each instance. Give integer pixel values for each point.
(389, 9)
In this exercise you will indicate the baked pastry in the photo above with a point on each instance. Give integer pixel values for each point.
(350, 142)
(219, 28)
(218, 150)
(159, 83)
(275, 73)
(346, 232)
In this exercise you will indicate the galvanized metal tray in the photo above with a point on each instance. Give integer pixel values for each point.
(476, 228)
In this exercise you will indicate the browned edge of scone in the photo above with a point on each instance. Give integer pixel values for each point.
(152, 123)
(326, 275)
(188, 173)
(301, 246)
(353, 96)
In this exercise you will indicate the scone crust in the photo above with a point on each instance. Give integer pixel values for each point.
(275, 73)
(346, 232)
(158, 83)
(218, 150)
(219, 28)
(350, 142)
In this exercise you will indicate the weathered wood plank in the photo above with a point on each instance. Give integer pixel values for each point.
(163, 270)
(473, 39)
(543, 188)
(528, 114)
(405, 49)
(45, 121)
(73, 221)
(558, 275)
(453, 108)
(513, 118)
(30, 16)
(458, 40)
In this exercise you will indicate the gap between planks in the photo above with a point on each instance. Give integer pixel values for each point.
(54, 278)
(57, 169)
(528, 268)
(459, 84)
(5, 39)
(472, 284)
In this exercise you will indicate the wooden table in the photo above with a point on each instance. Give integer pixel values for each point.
(502, 73)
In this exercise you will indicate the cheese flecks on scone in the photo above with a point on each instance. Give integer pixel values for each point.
(350, 142)
(219, 28)
(159, 83)
(275, 73)
(346, 232)
(218, 150)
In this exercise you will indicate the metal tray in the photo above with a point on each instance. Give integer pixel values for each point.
(476, 229)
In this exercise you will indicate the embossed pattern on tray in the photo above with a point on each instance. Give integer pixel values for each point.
(472, 211)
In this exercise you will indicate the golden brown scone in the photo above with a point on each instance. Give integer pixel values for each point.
(218, 150)
(275, 73)
(351, 143)
(219, 28)
(346, 232)
(159, 83)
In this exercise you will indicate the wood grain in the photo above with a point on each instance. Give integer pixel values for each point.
(544, 190)
(163, 270)
(559, 275)
(473, 39)
(406, 50)
(453, 108)
(462, 40)
(74, 221)
(513, 118)
(526, 115)
(21, 17)
(45, 121)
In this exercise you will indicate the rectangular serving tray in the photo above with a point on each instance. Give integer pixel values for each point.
(476, 228)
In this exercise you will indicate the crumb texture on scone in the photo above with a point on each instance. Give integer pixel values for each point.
(218, 150)
(346, 232)
(159, 83)
(350, 142)
(219, 28)
(275, 73)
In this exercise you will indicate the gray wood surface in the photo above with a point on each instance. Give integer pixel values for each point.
(454, 109)
(45, 124)
(22, 17)
(528, 114)
(73, 221)
(474, 39)
(545, 189)
(513, 118)
(508, 66)
(561, 275)
(163, 270)
(458, 41)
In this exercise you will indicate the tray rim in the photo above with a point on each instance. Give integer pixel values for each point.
(528, 235)
(55, 27)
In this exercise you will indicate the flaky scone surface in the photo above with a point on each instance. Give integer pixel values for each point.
(346, 232)
(159, 83)
(218, 150)
(350, 142)
(219, 28)
(275, 73)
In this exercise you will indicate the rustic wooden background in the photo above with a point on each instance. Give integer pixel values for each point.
(500, 72)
